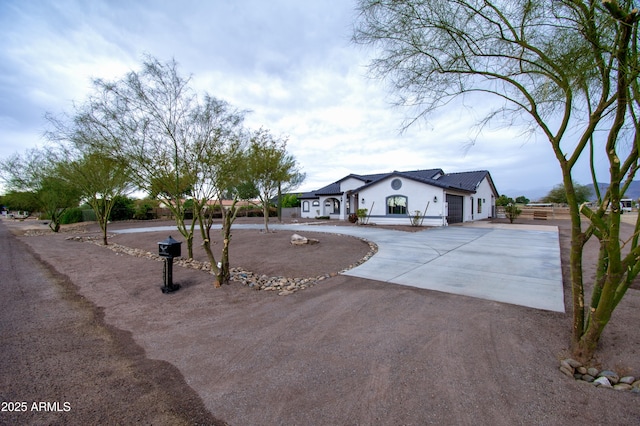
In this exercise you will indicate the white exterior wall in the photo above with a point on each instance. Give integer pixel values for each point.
(418, 194)
(314, 211)
(484, 193)
(350, 183)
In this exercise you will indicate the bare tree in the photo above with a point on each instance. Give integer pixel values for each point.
(565, 68)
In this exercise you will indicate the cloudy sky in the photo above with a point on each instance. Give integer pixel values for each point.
(290, 62)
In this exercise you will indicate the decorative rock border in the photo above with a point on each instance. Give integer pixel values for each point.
(600, 378)
(283, 285)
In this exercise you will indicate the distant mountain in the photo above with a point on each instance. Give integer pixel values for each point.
(633, 191)
(532, 194)
(536, 194)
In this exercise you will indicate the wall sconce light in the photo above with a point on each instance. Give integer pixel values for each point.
(363, 201)
(435, 199)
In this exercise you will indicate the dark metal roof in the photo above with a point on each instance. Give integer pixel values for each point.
(306, 195)
(423, 176)
(331, 189)
(467, 181)
(464, 181)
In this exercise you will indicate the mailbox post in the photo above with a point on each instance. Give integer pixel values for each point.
(168, 249)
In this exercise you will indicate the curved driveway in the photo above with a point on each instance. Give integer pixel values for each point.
(516, 264)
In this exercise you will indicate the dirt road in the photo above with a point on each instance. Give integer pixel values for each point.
(61, 364)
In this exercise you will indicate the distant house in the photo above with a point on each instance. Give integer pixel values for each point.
(438, 198)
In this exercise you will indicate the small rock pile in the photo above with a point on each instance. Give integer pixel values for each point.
(85, 238)
(600, 378)
(284, 286)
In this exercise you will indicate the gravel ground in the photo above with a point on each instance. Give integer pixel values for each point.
(346, 351)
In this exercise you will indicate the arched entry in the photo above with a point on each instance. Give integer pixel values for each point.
(331, 206)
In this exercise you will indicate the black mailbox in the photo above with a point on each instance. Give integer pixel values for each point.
(169, 248)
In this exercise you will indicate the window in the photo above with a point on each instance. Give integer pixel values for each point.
(397, 204)
(316, 203)
(479, 205)
(305, 206)
(396, 184)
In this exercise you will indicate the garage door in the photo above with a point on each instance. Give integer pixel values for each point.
(455, 208)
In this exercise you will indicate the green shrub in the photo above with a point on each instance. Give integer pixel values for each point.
(363, 217)
(73, 215)
(145, 209)
(123, 209)
(88, 215)
(512, 211)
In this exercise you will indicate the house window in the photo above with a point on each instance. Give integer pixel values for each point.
(397, 204)
(316, 203)
(305, 206)
(396, 184)
(479, 205)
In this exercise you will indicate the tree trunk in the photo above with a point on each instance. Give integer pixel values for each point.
(189, 239)
(265, 213)
(279, 202)
(575, 260)
(205, 231)
(604, 299)
(223, 273)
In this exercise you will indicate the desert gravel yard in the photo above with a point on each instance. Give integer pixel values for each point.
(345, 351)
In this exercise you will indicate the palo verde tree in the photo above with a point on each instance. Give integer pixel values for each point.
(217, 160)
(34, 175)
(145, 120)
(99, 178)
(271, 170)
(568, 69)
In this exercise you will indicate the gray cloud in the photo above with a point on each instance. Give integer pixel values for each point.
(288, 61)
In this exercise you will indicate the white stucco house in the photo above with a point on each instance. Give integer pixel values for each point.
(392, 198)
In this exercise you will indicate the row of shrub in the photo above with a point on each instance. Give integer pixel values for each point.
(127, 209)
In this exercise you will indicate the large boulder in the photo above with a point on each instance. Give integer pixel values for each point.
(299, 240)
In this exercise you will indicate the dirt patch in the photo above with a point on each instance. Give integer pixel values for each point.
(271, 254)
(348, 351)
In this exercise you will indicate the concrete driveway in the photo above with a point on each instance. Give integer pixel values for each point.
(516, 264)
